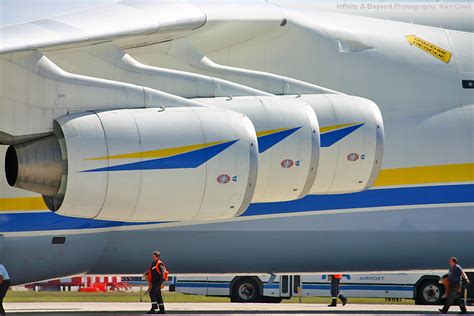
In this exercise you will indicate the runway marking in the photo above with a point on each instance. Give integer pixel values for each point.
(217, 308)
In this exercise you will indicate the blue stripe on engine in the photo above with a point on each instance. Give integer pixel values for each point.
(371, 198)
(267, 141)
(187, 160)
(329, 138)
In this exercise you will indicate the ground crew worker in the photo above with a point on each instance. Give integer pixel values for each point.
(4, 285)
(157, 275)
(335, 293)
(455, 276)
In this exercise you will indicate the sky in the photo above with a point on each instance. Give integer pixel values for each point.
(19, 11)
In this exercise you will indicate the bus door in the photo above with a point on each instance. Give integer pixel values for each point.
(297, 288)
(285, 286)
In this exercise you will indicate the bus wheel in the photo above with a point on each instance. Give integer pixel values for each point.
(246, 290)
(429, 292)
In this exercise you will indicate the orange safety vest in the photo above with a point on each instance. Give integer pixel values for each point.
(157, 268)
(337, 276)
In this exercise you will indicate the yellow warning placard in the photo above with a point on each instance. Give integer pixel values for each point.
(430, 48)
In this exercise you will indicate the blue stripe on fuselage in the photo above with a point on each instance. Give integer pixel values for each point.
(371, 198)
(23, 222)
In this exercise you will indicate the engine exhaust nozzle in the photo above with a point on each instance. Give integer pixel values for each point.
(35, 166)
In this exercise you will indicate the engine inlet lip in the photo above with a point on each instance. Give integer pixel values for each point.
(11, 166)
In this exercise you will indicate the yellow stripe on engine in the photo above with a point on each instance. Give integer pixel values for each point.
(271, 131)
(160, 153)
(426, 174)
(334, 127)
(22, 204)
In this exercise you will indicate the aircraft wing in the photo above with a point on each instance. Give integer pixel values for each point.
(125, 23)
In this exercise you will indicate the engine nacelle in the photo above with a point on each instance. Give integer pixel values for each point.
(344, 155)
(202, 163)
(288, 142)
(352, 139)
(145, 164)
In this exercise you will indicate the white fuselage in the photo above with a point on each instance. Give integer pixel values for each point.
(419, 211)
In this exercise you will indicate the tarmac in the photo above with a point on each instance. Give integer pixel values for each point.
(78, 308)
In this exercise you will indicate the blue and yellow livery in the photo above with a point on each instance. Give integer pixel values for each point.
(192, 156)
(329, 135)
(332, 134)
(269, 138)
(184, 157)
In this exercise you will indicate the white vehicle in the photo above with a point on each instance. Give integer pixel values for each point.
(422, 286)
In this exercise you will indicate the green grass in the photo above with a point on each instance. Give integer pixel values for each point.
(169, 297)
(103, 297)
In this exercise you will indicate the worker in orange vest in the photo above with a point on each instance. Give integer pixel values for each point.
(157, 275)
(335, 294)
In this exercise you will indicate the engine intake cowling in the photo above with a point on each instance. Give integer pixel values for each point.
(153, 165)
(352, 139)
(288, 143)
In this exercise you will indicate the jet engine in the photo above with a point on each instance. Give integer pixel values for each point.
(201, 163)
(352, 139)
(288, 144)
(316, 144)
(142, 164)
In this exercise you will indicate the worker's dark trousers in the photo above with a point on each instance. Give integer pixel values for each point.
(335, 287)
(3, 291)
(454, 297)
(156, 298)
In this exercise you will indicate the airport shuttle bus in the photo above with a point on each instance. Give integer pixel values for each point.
(422, 286)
